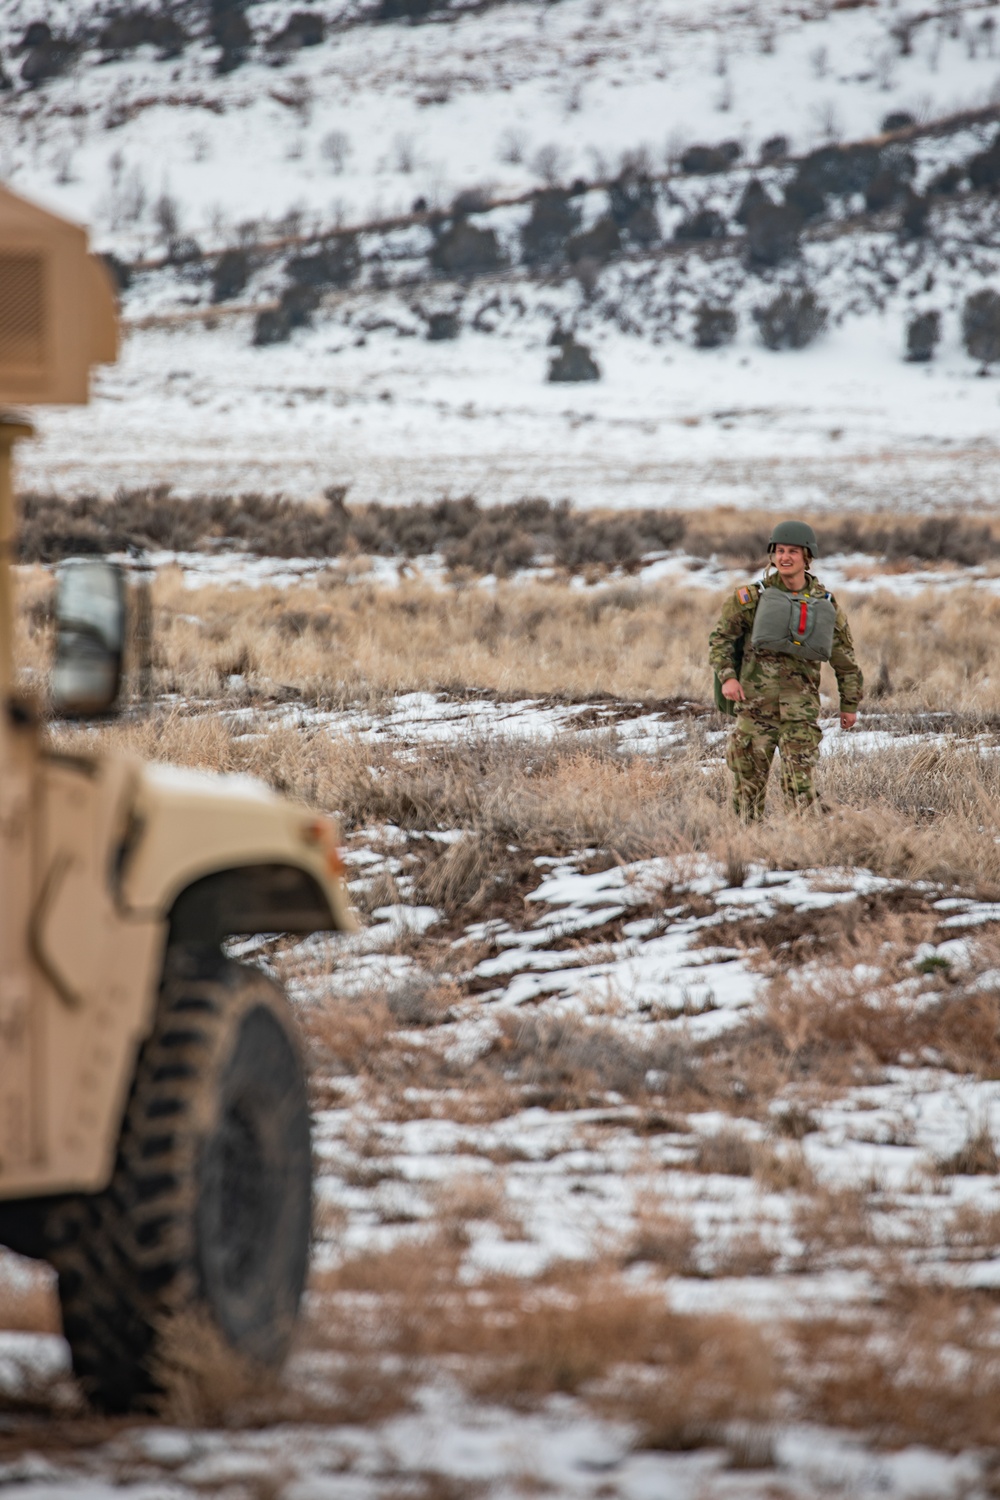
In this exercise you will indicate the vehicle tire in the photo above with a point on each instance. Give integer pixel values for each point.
(209, 1207)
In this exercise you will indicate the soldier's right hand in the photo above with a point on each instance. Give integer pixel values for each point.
(731, 689)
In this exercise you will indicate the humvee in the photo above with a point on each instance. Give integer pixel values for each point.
(154, 1123)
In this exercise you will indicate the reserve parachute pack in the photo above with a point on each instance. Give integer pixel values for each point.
(800, 625)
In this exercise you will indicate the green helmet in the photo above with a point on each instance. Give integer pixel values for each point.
(793, 534)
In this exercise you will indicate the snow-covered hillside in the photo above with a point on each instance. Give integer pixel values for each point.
(379, 128)
(427, 110)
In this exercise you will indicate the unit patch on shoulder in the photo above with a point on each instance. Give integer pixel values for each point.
(745, 595)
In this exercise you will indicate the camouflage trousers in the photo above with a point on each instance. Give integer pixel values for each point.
(750, 751)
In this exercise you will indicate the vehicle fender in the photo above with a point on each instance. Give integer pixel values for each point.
(229, 848)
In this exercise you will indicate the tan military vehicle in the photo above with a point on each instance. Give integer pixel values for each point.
(154, 1126)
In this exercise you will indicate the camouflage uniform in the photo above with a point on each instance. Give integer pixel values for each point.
(782, 704)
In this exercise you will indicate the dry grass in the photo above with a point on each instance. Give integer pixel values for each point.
(203, 1380)
(914, 811)
(579, 1330)
(977, 1154)
(929, 1372)
(343, 638)
(660, 1239)
(832, 1221)
(899, 812)
(849, 1025)
(821, 1031)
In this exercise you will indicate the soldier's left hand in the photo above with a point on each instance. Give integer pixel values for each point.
(848, 721)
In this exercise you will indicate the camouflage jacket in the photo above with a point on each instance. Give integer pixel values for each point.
(771, 680)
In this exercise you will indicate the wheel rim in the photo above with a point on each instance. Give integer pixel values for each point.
(254, 1197)
(247, 1199)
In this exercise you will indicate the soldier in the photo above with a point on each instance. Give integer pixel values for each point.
(766, 652)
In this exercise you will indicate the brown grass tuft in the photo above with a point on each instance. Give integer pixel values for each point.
(977, 1154)
(204, 1381)
(832, 1220)
(661, 1239)
(932, 1376)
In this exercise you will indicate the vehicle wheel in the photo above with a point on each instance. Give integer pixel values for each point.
(209, 1207)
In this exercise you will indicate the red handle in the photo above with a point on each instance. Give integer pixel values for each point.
(803, 617)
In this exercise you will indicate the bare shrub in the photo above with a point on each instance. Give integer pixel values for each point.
(512, 146)
(704, 224)
(922, 335)
(705, 160)
(420, 1000)
(335, 263)
(984, 167)
(167, 217)
(598, 243)
(463, 250)
(470, 1197)
(792, 320)
(554, 219)
(468, 873)
(745, 1253)
(845, 1026)
(981, 327)
(230, 275)
(404, 152)
(336, 148)
(548, 163)
(972, 1226)
(773, 231)
(574, 1330)
(714, 326)
(574, 362)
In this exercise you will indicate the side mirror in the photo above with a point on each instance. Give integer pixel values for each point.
(90, 625)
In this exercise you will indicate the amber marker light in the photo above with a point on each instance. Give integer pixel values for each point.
(322, 833)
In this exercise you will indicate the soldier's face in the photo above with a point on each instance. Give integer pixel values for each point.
(790, 561)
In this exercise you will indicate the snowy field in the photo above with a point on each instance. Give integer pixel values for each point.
(844, 425)
(428, 110)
